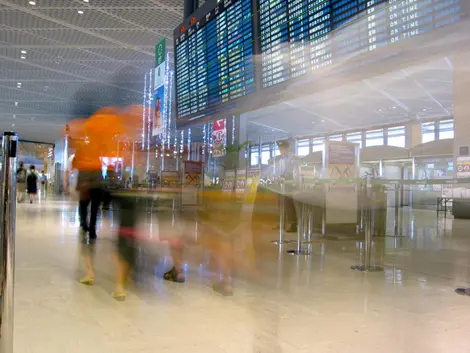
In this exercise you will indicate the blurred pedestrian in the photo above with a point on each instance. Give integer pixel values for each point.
(43, 182)
(20, 182)
(89, 183)
(111, 182)
(32, 183)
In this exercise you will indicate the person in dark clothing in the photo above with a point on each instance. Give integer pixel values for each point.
(32, 183)
(90, 193)
(89, 190)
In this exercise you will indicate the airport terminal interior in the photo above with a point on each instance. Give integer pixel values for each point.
(259, 176)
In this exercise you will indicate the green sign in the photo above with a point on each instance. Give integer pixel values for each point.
(160, 52)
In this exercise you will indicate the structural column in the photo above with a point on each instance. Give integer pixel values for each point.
(412, 134)
(461, 73)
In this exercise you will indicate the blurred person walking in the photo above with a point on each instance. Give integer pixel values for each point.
(43, 183)
(21, 182)
(32, 183)
(106, 117)
(111, 182)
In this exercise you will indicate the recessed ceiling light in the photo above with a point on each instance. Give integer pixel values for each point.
(86, 0)
(23, 52)
(23, 57)
(13, 125)
(322, 120)
(32, 3)
(16, 104)
(80, 12)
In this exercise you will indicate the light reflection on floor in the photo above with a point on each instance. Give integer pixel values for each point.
(300, 304)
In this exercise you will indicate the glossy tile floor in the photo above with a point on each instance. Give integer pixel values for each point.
(303, 304)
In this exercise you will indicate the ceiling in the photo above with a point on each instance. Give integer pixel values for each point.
(56, 53)
(420, 92)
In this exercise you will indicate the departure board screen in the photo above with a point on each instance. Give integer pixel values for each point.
(215, 58)
(301, 36)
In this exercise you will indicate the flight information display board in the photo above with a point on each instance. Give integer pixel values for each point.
(215, 58)
(297, 35)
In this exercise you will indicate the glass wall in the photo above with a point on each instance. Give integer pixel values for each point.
(254, 155)
(396, 136)
(375, 137)
(303, 147)
(437, 130)
(446, 129)
(335, 138)
(317, 144)
(428, 132)
(355, 137)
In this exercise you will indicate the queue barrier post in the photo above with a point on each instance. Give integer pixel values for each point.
(282, 215)
(368, 226)
(7, 239)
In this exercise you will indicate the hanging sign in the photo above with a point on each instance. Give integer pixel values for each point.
(219, 137)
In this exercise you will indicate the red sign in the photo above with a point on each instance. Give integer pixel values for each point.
(218, 138)
(218, 125)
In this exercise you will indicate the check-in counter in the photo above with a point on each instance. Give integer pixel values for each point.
(461, 208)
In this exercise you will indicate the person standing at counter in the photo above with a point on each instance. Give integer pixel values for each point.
(287, 167)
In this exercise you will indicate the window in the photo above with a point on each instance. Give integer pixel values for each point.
(254, 156)
(317, 144)
(335, 138)
(446, 129)
(265, 154)
(375, 138)
(396, 136)
(355, 137)
(303, 147)
(428, 132)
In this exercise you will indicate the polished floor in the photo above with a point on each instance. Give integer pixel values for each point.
(308, 304)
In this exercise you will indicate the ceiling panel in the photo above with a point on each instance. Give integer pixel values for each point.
(61, 50)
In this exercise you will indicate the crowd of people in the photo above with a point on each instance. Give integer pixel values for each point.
(27, 183)
(217, 218)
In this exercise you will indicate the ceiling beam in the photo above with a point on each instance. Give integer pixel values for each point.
(311, 112)
(40, 80)
(73, 46)
(69, 25)
(157, 6)
(33, 92)
(103, 11)
(426, 92)
(387, 95)
(26, 62)
(127, 29)
(267, 127)
(54, 46)
(177, 10)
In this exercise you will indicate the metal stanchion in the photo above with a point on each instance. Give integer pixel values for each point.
(368, 220)
(300, 234)
(7, 238)
(397, 210)
(282, 217)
